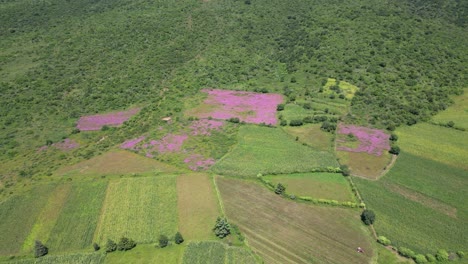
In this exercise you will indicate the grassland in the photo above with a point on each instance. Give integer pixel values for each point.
(270, 150)
(282, 231)
(420, 204)
(438, 143)
(139, 208)
(347, 89)
(77, 222)
(331, 186)
(73, 258)
(312, 135)
(457, 113)
(18, 215)
(211, 252)
(364, 164)
(148, 254)
(197, 206)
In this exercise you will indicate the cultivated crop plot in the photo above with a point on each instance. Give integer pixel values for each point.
(88, 258)
(211, 252)
(139, 208)
(270, 150)
(282, 231)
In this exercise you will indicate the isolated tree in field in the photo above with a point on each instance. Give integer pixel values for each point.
(178, 239)
(40, 249)
(96, 246)
(125, 244)
(163, 241)
(280, 189)
(111, 246)
(222, 228)
(368, 217)
(395, 150)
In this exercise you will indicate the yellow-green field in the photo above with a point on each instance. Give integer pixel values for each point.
(457, 113)
(363, 164)
(348, 89)
(312, 135)
(148, 254)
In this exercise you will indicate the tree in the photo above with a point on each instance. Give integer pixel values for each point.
(280, 107)
(163, 241)
(280, 189)
(297, 122)
(442, 255)
(96, 246)
(40, 249)
(125, 244)
(222, 228)
(178, 239)
(345, 170)
(395, 150)
(393, 137)
(368, 217)
(111, 246)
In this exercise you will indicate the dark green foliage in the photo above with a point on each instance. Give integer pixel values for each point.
(405, 252)
(280, 189)
(234, 120)
(296, 122)
(393, 137)
(283, 123)
(40, 249)
(222, 228)
(460, 254)
(442, 255)
(163, 241)
(96, 247)
(395, 150)
(368, 217)
(111, 246)
(280, 107)
(178, 239)
(450, 124)
(125, 244)
(345, 170)
(328, 126)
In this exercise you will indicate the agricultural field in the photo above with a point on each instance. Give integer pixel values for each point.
(211, 252)
(270, 150)
(148, 254)
(419, 204)
(197, 205)
(457, 113)
(311, 135)
(282, 231)
(434, 142)
(72, 258)
(74, 228)
(331, 186)
(18, 214)
(139, 208)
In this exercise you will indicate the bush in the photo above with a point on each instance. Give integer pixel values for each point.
(283, 123)
(233, 120)
(430, 258)
(96, 247)
(125, 244)
(163, 241)
(384, 241)
(460, 254)
(280, 107)
(395, 150)
(393, 137)
(406, 252)
(345, 170)
(40, 249)
(368, 217)
(222, 228)
(296, 122)
(442, 255)
(111, 246)
(420, 258)
(280, 189)
(178, 239)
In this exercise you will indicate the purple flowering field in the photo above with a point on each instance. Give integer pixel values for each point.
(65, 145)
(197, 162)
(205, 126)
(372, 141)
(249, 107)
(96, 122)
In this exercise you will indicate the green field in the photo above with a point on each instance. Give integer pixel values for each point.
(270, 150)
(148, 254)
(457, 113)
(211, 252)
(283, 231)
(347, 89)
(420, 204)
(434, 142)
(73, 258)
(331, 186)
(139, 208)
(312, 135)
(18, 214)
(77, 222)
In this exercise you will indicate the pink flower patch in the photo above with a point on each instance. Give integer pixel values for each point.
(131, 143)
(205, 126)
(169, 143)
(66, 145)
(249, 107)
(372, 141)
(96, 122)
(197, 162)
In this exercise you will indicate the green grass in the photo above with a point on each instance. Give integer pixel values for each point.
(148, 254)
(73, 258)
(331, 186)
(208, 252)
(312, 135)
(18, 215)
(347, 89)
(457, 113)
(438, 143)
(419, 204)
(77, 222)
(139, 208)
(386, 256)
(270, 150)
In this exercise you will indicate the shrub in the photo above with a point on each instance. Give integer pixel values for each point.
(234, 120)
(307, 106)
(280, 189)
(328, 126)
(296, 122)
(460, 254)
(368, 217)
(40, 249)
(280, 107)
(283, 123)
(406, 252)
(222, 228)
(96, 246)
(393, 137)
(345, 170)
(111, 246)
(420, 258)
(384, 241)
(430, 258)
(442, 255)
(178, 239)
(125, 244)
(163, 241)
(395, 150)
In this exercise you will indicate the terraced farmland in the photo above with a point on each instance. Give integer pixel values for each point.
(282, 231)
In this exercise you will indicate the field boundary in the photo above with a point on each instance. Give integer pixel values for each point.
(218, 196)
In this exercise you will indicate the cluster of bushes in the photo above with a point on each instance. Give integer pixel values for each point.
(394, 149)
(163, 240)
(123, 245)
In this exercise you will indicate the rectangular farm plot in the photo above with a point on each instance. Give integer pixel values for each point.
(212, 252)
(148, 254)
(76, 224)
(283, 231)
(270, 150)
(198, 206)
(139, 208)
(331, 186)
(88, 258)
(311, 135)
